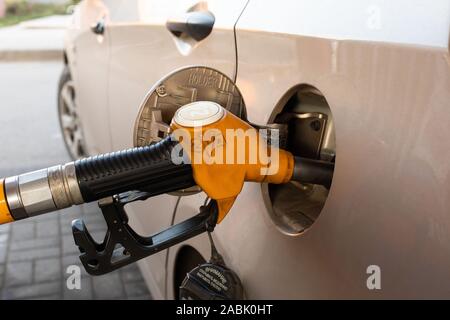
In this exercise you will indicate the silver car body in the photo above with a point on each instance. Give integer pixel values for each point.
(384, 69)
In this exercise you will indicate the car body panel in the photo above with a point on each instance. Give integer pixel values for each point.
(416, 22)
(388, 204)
(384, 69)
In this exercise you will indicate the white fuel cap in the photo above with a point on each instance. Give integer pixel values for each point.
(199, 113)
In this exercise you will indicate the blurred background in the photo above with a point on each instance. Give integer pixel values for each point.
(15, 11)
(35, 253)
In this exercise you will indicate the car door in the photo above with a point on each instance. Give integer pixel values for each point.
(142, 51)
(88, 57)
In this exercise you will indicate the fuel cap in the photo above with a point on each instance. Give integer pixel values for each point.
(210, 281)
(199, 113)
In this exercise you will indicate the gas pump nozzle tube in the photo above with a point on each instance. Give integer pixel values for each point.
(151, 169)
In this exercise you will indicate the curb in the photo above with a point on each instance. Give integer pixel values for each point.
(31, 55)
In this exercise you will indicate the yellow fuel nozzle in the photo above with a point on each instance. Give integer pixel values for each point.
(207, 146)
(225, 151)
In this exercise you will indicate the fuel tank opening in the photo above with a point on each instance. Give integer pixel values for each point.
(294, 207)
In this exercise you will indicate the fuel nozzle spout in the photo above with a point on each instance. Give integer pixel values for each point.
(313, 171)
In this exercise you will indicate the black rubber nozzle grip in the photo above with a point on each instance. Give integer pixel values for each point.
(148, 169)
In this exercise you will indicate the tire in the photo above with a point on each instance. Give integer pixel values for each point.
(69, 120)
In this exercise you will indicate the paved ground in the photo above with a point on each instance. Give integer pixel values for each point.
(35, 253)
(35, 39)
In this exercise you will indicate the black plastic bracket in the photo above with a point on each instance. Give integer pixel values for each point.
(122, 245)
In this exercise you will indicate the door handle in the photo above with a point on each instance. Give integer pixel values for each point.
(99, 27)
(197, 24)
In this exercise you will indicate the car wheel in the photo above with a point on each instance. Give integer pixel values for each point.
(68, 117)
